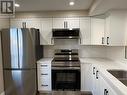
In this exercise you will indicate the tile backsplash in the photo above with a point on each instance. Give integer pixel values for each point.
(84, 51)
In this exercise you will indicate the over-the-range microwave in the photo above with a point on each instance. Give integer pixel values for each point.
(65, 33)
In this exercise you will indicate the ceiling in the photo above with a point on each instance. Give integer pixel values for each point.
(105, 5)
(52, 5)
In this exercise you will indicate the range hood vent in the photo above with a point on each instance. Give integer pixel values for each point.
(65, 33)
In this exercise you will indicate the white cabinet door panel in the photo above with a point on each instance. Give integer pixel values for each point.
(97, 31)
(85, 33)
(46, 32)
(59, 22)
(72, 23)
(86, 77)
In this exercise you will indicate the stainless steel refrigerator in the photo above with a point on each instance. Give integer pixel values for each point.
(20, 48)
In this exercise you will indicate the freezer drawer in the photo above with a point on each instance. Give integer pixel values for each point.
(20, 82)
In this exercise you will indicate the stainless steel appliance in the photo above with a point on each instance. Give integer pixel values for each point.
(20, 48)
(65, 33)
(66, 70)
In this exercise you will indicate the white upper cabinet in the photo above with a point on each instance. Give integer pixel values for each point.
(25, 23)
(33, 23)
(59, 23)
(66, 23)
(116, 28)
(97, 31)
(16, 23)
(43, 24)
(72, 22)
(46, 32)
(85, 33)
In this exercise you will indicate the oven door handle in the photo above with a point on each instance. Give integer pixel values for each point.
(65, 68)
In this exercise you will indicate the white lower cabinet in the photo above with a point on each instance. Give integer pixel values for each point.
(86, 77)
(100, 85)
(95, 81)
(44, 76)
(105, 88)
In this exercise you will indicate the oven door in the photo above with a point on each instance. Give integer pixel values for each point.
(65, 79)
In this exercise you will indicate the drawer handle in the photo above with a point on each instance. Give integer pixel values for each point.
(44, 85)
(44, 65)
(97, 74)
(105, 91)
(93, 70)
(44, 74)
(107, 40)
(102, 40)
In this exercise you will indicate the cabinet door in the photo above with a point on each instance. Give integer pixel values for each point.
(27, 23)
(86, 77)
(93, 69)
(105, 87)
(116, 29)
(59, 22)
(97, 31)
(96, 81)
(85, 33)
(72, 23)
(16, 23)
(33, 23)
(46, 32)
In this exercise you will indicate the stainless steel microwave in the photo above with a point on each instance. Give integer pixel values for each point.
(65, 33)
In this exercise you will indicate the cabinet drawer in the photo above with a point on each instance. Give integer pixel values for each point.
(44, 83)
(44, 80)
(48, 66)
(44, 88)
(44, 71)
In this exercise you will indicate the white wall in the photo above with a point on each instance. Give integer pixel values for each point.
(116, 53)
(4, 23)
(84, 51)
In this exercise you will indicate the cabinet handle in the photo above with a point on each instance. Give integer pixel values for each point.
(102, 40)
(44, 65)
(93, 70)
(24, 24)
(51, 40)
(105, 91)
(80, 41)
(64, 24)
(97, 74)
(107, 40)
(44, 74)
(44, 85)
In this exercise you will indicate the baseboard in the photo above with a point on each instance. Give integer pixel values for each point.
(2, 93)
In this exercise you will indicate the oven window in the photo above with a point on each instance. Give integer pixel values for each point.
(65, 79)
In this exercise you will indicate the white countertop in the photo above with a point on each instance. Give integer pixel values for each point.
(104, 65)
(45, 60)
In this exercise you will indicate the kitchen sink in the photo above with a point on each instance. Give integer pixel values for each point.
(121, 75)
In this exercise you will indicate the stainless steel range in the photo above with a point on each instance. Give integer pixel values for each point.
(66, 70)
